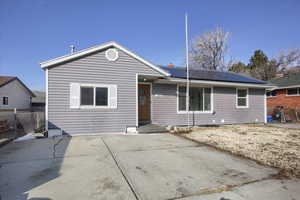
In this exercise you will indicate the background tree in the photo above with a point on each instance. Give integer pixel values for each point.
(260, 66)
(208, 51)
(264, 69)
(239, 67)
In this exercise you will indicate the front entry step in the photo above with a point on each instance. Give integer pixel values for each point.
(152, 128)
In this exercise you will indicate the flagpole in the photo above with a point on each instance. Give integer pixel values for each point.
(187, 72)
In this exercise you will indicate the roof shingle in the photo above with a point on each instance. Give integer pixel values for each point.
(6, 79)
(287, 80)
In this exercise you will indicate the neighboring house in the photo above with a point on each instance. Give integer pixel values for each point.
(286, 94)
(287, 71)
(109, 89)
(14, 94)
(39, 101)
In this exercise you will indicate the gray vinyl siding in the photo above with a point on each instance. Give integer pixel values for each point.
(164, 107)
(95, 69)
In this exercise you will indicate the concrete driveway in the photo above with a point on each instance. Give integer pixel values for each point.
(122, 167)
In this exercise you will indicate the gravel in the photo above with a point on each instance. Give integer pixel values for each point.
(271, 146)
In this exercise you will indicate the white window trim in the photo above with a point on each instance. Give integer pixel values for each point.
(195, 112)
(292, 95)
(94, 86)
(236, 98)
(151, 107)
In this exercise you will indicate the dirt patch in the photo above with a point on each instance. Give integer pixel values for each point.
(271, 146)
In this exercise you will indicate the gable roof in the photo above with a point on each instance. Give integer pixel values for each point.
(40, 97)
(180, 72)
(4, 80)
(93, 49)
(288, 80)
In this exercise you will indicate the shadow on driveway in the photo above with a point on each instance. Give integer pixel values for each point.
(29, 164)
(61, 168)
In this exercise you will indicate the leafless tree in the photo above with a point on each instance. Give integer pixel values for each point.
(208, 51)
(285, 63)
(288, 58)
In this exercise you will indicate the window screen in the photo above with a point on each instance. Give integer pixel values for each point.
(242, 97)
(207, 99)
(87, 96)
(196, 99)
(182, 99)
(101, 96)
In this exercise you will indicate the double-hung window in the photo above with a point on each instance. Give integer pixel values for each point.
(200, 99)
(241, 98)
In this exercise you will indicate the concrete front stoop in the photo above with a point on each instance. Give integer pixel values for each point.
(152, 128)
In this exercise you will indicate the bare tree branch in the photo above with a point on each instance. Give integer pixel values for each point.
(208, 51)
(288, 58)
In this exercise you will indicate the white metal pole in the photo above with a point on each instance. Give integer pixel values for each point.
(187, 72)
(15, 120)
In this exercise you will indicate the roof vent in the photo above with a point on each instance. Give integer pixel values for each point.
(72, 48)
(112, 54)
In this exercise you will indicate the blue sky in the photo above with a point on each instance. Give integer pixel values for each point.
(32, 31)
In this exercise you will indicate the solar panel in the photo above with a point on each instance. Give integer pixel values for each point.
(180, 72)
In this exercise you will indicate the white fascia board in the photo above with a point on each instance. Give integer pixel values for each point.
(97, 48)
(214, 83)
(142, 60)
(287, 87)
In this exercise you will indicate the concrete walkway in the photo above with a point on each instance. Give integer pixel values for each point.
(122, 167)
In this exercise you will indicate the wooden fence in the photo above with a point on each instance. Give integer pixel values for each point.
(23, 120)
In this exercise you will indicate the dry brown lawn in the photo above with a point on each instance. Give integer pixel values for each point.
(271, 146)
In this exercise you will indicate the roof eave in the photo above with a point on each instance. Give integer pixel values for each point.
(287, 87)
(217, 83)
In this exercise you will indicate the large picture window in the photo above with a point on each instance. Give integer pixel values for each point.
(242, 98)
(200, 99)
